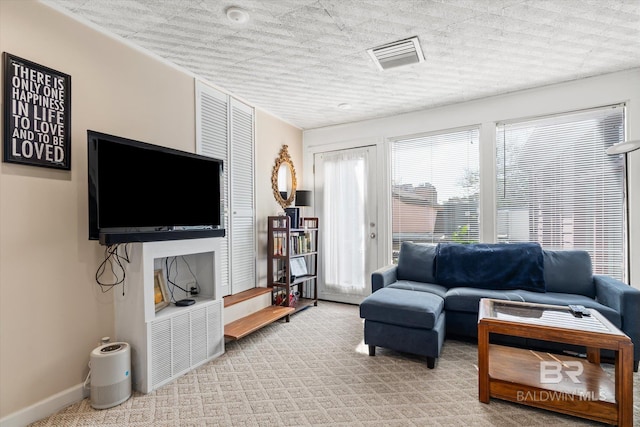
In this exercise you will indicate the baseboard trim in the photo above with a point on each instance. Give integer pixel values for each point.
(45, 407)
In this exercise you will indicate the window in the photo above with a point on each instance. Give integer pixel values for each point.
(435, 188)
(557, 186)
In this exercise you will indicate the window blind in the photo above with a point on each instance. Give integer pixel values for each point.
(557, 186)
(435, 188)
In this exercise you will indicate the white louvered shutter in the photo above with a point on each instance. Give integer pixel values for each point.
(243, 246)
(557, 186)
(212, 139)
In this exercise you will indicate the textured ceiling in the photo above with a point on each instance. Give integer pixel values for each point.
(300, 59)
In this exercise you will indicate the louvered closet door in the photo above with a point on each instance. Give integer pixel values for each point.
(224, 130)
(212, 139)
(243, 248)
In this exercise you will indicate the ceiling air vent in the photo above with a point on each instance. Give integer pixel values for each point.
(396, 54)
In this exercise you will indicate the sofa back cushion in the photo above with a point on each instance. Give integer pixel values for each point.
(569, 272)
(417, 262)
(497, 266)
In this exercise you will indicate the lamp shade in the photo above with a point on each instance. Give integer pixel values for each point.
(303, 198)
(624, 147)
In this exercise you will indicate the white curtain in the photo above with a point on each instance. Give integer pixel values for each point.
(345, 221)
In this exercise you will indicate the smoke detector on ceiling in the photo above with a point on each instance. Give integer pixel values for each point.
(237, 15)
(397, 54)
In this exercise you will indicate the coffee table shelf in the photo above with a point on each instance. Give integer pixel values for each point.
(515, 376)
(578, 387)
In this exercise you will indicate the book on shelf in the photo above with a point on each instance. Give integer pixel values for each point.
(280, 222)
(294, 215)
(279, 245)
(311, 223)
(301, 243)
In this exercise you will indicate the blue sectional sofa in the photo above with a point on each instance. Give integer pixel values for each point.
(463, 274)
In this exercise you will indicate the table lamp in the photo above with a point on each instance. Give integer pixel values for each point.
(303, 198)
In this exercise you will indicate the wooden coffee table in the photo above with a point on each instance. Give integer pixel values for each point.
(560, 383)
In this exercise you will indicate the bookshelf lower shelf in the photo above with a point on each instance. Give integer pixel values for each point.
(304, 303)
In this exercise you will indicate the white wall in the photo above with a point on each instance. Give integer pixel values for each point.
(274, 134)
(52, 312)
(576, 95)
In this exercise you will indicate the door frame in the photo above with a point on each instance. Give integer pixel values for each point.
(382, 183)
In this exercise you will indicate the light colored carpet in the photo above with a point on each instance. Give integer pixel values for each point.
(315, 370)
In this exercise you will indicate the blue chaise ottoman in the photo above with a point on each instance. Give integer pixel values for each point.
(404, 321)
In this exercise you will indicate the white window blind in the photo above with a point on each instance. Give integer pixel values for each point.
(435, 188)
(557, 186)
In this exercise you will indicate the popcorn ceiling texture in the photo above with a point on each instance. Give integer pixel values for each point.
(299, 59)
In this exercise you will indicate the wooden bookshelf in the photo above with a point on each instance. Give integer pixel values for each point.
(292, 268)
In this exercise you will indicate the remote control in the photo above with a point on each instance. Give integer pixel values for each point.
(578, 310)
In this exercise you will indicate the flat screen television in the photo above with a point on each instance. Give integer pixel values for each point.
(140, 192)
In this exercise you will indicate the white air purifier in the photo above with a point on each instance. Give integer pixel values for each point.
(110, 374)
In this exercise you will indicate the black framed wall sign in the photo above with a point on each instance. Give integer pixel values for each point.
(37, 114)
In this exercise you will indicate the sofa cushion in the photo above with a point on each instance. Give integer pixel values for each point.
(402, 307)
(417, 262)
(467, 300)
(497, 266)
(420, 287)
(555, 298)
(569, 272)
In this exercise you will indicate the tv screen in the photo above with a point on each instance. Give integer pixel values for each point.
(144, 192)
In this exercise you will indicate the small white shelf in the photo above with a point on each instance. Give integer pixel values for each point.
(174, 340)
(173, 310)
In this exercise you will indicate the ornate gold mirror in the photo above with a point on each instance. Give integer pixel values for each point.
(283, 179)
